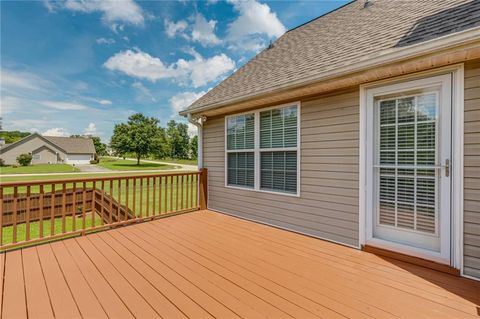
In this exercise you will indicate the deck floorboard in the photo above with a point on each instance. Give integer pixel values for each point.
(209, 265)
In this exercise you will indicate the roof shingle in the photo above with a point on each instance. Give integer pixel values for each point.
(73, 145)
(344, 37)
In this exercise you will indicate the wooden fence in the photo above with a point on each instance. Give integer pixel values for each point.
(38, 211)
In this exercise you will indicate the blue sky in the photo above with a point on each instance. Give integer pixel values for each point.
(76, 67)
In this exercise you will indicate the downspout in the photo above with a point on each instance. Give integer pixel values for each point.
(199, 124)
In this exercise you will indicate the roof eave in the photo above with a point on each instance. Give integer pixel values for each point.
(392, 56)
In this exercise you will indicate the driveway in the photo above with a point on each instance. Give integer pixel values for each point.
(181, 167)
(92, 168)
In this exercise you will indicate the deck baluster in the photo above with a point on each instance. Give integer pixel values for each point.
(141, 197)
(102, 199)
(15, 208)
(148, 198)
(126, 199)
(41, 203)
(74, 206)
(154, 181)
(52, 210)
(94, 188)
(64, 206)
(27, 215)
(84, 206)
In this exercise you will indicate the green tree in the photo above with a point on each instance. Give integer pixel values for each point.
(160, 147)
(100, 148)
(177, 140)
(194, 147)
(139, 136)
(24, 159)
(13, 136)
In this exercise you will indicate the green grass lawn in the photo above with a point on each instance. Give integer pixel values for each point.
(35, 228)
(38, 169)
(128, 165)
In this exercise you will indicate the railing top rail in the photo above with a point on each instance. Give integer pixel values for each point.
(92, 179)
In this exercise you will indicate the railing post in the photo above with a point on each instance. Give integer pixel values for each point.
(203, 188)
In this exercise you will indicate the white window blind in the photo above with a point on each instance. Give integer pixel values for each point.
(262, 151)
(241, 168)
(240, 138)
(407, 156)
(241, 132)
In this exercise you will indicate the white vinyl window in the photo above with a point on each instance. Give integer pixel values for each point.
(35, 156)
(240, 150)
(262, 150)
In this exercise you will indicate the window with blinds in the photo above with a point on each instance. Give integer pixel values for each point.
(240, 162)
(240, 169)
(241, 132)
(279, 171)
(262, 151)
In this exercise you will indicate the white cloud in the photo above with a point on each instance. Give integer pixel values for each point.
(22, 80)
(9, 104)
(204, 31)
(106, 41)
(181, 101)
(105, 102)
(198, 71)
(115, 14)
(56, 131)
(174, 28)
(254, 26)
(64, 106)
(143, 93)
(192, 130)
(91, 129)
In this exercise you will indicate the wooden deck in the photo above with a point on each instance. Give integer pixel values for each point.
(204, 264)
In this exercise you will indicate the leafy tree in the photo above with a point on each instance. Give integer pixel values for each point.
(194, 147)
(24, 159)
(160, 146)
(13, 136)
(100, 148)
(177, 140)
(139, 136)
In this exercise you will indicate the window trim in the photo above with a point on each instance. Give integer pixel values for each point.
(257, 150)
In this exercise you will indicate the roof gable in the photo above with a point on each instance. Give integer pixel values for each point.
(70, 145)
(344, 37)
(29, 137)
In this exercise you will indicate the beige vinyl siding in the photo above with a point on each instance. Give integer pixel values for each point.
(328, 202)
(472, 170)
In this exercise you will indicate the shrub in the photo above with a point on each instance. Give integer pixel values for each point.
(2, 162)
(24, 159)
(94, 162)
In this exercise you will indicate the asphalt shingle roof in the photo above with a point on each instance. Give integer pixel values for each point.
(73, 145)
(344, 37)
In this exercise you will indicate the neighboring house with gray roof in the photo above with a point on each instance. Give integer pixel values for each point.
(360, 127)
(50, 150)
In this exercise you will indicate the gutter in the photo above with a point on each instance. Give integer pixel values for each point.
(199, 125)
(371, 61)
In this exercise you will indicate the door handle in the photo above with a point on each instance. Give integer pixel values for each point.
(447, 167)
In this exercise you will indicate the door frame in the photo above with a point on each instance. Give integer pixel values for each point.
(456, 222)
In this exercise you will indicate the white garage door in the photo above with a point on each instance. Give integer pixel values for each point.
(78, 159)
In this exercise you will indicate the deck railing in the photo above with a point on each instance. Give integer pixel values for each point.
(38, 211)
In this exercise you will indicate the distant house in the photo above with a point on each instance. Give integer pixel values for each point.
(50, 150)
